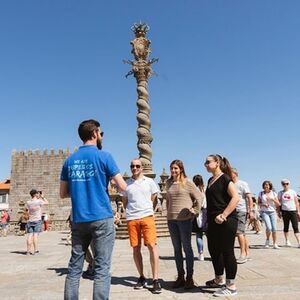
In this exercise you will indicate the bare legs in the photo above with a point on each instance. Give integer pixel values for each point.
(138, 259)
(154, 260)
(297, 236)
(244, 245)
(32, 242)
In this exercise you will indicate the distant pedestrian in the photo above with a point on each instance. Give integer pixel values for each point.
(4, 223)
(117, 219)
(198, 180)
(69, 236)
(244, 212)
(222, 199)
(183, 204)
(23, 221)
(85, 177)
(45, 220)
(290, 211)
(269, 204)
(90, 259)
(255, 222)
(33, 227)
(139, 200)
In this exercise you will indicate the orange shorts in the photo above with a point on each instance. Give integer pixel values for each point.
(145, 226)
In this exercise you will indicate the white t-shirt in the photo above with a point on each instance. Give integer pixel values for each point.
(267, 201)
(287, 200)
(138, 193)
(242, 189)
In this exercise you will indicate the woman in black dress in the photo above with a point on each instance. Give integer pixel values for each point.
(222, 198)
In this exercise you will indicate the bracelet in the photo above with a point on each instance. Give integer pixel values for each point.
(223, 217)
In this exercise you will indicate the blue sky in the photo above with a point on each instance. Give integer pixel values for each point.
(228, 81)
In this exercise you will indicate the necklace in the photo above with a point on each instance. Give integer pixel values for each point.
(214, 179)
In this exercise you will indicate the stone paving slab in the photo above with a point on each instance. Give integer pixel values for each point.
(271, 274)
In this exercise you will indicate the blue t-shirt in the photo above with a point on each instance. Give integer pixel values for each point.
(88, 172)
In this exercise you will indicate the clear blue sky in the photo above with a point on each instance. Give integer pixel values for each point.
(228, 81)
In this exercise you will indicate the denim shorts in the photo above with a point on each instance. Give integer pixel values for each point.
(34, 227)
(3, 225)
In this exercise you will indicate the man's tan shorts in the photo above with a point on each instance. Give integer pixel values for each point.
(145, 226)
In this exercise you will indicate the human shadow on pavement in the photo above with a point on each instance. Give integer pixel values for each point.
(126, 280)
(173, 258)
(59, 271)
(167, 285)
(19, 252)
(207, 290)
(259, 247)
(166, 257)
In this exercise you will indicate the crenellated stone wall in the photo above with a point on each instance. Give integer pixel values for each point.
(38, 169)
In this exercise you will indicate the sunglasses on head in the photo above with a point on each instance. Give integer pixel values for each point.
(135, 166)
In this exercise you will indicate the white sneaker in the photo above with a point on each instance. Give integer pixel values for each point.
(225, 292)
(276, 246)
(288, 243)
(201, 257)
(267, 244)
(241, 260)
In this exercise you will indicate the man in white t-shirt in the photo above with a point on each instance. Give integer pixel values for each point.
(244, 211)
(139, 200)
(290, 211)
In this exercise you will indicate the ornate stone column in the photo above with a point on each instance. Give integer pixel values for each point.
(141, 69)
(162, 185)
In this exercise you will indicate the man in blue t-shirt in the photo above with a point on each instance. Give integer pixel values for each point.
(84, 177)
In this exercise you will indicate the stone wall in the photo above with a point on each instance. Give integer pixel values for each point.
(38, 170)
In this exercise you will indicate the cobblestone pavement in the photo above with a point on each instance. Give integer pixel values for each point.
(270, 274)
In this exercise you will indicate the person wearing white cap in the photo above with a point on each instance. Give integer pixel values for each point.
(290, 211)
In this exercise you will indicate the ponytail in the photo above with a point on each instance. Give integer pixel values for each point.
(226, 168)
(224, 164)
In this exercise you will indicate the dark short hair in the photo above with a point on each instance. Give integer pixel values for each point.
(86, 129)
(33, 192)
(269, 182)
(198, 180)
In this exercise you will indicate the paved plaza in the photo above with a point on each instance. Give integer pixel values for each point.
(270, 274)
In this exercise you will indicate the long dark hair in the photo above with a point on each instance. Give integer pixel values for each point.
(198, 180)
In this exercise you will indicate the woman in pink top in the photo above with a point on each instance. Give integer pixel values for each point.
(268, 204)
(4, 223)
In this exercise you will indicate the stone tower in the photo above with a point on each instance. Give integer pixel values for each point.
(39, 170)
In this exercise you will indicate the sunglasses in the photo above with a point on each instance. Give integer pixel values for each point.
(135, 166)
(101, 133)
(285, 183)
(208, 162)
